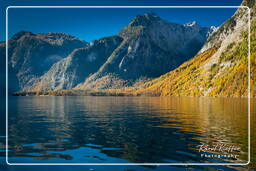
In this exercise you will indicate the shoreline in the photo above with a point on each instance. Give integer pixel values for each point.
(107, 92)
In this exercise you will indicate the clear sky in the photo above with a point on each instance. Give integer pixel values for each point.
(90, 24)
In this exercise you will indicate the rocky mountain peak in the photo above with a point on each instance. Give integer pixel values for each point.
(192, 24)
(44, 36)
(145, 19)
(56, 35)
(19, 34)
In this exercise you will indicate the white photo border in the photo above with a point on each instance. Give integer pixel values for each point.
(139, 164)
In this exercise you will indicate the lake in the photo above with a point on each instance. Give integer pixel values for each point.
(127, 130)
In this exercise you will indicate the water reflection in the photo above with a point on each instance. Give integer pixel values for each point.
(124, 129)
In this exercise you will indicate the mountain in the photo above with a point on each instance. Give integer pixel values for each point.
(149, 56)
(146, 48)
(219, 69)
(78, 65)
(150, 47)
(31, 55)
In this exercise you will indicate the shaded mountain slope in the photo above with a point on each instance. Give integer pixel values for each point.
(150, 47)
(31, 55)
(82, 62)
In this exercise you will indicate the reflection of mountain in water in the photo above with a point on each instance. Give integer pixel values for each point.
(137, 129)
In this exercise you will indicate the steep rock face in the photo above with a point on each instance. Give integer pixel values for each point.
(73, 69)
(221, 66)
(31, 55)
(151, 47)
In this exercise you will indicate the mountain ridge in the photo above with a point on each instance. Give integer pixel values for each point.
(217, 69)
(144, 49)
(151, 40)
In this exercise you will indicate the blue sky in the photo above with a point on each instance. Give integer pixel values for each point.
(90, 24)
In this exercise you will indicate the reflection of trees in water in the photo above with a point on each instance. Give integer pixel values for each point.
(253, 133)
(216, 120)
(147, 129)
